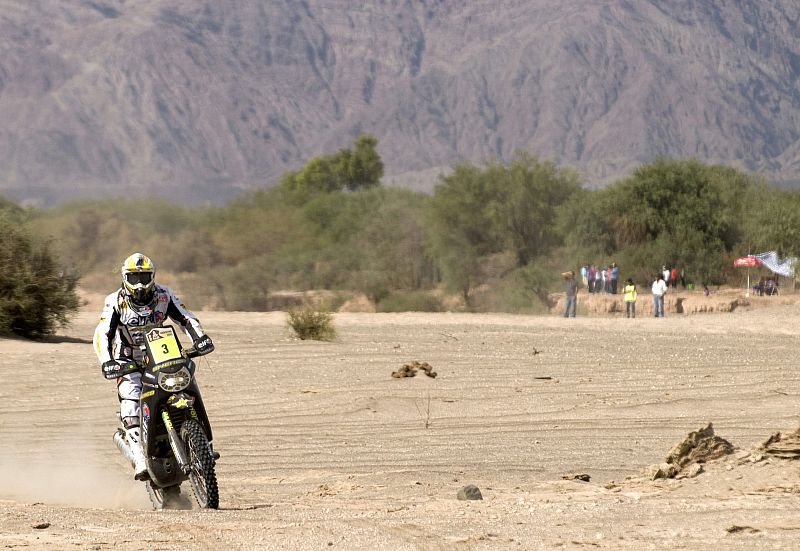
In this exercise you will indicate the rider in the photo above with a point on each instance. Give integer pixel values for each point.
(139, 305)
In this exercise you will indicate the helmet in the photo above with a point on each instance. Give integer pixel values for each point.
(139, 278)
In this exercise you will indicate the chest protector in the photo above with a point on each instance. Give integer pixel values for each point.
(135, 320)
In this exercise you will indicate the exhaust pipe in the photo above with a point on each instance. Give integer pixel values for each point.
(122, 444)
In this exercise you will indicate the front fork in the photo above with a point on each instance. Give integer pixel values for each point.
(176, 444)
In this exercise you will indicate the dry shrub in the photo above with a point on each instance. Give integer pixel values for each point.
(308, 323)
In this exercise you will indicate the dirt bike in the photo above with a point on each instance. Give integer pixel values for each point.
(175, 431)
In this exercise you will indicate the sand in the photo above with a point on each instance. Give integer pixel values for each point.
(323, 449)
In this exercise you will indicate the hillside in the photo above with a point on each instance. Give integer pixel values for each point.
(199, 100)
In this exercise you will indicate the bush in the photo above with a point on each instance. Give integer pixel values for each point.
(35, 295)
(309, 323)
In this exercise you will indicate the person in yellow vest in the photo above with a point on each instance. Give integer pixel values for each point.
(630, 298)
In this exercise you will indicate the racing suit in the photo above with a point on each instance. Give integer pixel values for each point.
(121, 330)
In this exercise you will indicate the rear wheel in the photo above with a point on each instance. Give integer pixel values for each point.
(202, 475)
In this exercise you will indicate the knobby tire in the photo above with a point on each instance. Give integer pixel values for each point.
(202, 475)
(164, 498)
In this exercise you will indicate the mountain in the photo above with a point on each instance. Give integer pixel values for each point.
(198, 100)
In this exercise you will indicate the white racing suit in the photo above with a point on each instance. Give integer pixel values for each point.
(117, 337)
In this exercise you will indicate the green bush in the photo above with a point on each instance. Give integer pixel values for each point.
(308, 323)
(36, 296)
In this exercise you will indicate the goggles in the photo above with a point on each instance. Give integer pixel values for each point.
(136, 278)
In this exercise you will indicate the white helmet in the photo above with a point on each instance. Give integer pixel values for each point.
(139, 278)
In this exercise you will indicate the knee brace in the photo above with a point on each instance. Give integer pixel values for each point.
(130, 422)
(129, 408)
(129, 389)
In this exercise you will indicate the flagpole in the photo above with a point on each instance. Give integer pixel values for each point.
(747, 292)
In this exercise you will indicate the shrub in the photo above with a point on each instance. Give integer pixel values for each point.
(309, 323)
(35, 295)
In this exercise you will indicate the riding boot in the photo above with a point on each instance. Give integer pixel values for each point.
(139, 462)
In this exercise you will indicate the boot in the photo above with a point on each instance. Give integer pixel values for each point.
(139, 462)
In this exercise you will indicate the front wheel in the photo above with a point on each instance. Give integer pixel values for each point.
(167, 498)
(202, 475)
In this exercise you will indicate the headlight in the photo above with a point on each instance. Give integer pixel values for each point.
(175, 382)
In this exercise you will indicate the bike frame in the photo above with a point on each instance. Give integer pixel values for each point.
(161, 410)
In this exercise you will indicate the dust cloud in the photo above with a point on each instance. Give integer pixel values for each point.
(55, 473)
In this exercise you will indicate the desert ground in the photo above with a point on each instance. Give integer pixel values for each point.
(558, 422)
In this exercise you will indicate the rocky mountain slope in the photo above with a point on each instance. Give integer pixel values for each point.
(197, 100)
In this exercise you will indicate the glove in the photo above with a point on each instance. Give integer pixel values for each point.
(203, 345)
(113, 369)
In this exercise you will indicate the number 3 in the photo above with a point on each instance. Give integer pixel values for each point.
(165, 348)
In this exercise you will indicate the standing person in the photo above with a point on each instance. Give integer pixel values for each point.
(630, 298)
(590, 279)
(614, 276)
(659, 290)
(604, 279)
(598, 280)
(673, 278)
(585, 275)
(683, 278)
(665, 274)
(571, 287)
(138, 306)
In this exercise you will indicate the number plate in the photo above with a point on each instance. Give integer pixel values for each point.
(163, 345)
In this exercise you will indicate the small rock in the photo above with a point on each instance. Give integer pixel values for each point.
(469, 492)
(736, 528)
(773, 438)
(664, 470)
(577, 476)
(410, 370)
(691, 471)
(41, 525)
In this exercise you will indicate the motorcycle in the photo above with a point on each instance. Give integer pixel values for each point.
(175, 430)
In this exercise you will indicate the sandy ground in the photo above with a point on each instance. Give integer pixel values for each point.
(322, 448)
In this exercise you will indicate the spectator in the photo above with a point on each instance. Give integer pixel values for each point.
(614, 276)
(604, 279)
(673, 277)
(598, 280)
(571, 287)
(659, 290)
(630, 298)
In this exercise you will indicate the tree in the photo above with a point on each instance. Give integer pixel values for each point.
(364, 165)
(676, 212)
(461, 227)
(773, 222)
(526, 197)
(476, 213)
(351, 170)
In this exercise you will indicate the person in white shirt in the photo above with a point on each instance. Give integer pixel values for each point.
(659, 290)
